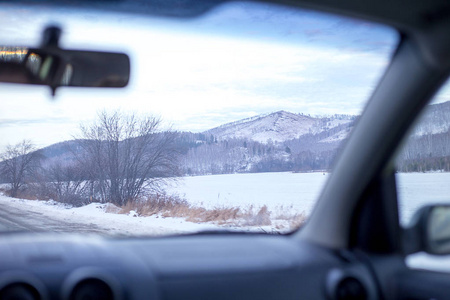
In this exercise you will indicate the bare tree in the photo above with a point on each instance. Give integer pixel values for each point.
(18, 164)
(126, 156)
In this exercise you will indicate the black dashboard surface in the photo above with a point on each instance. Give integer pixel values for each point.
(185, 267)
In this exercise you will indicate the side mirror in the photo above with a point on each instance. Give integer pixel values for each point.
(53, 66)
(429, 230)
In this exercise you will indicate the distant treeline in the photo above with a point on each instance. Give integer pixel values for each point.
(425, 164)
(428, 149)
(430, 152)
(205, 154)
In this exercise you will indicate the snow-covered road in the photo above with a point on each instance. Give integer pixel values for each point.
(50, 216)
(25, 218)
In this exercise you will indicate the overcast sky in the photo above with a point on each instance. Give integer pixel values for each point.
(238, 61)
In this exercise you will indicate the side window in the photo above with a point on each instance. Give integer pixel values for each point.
(423, 175)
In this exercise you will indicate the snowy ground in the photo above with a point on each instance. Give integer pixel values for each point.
(294, 192)
(53, 216)
(280, 192)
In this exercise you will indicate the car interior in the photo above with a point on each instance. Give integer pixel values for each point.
(352, 245)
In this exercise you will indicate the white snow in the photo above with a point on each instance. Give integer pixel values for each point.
(287, 189)
(110, 223)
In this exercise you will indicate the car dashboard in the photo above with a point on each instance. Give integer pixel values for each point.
(206, 266)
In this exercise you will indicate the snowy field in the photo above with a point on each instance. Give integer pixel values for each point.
(418, 189)
(278, 191)
(297, 191)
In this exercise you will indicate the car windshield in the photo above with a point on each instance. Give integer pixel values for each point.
(231, 120)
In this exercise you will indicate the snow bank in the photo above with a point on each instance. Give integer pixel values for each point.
(97, 215)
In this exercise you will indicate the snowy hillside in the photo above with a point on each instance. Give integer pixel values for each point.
(428, 146)
(435, 120)
(278, 126)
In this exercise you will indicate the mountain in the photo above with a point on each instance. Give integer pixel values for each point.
(435, 120)
(285, 141)
(279, 127)
(279, 141)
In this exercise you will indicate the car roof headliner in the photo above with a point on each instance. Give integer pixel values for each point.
(426, 22)
(401, 14)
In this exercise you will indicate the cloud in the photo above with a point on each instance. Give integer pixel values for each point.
(20, 122)
(195, 76)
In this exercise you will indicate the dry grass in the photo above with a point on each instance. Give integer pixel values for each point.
(289, 214)
(173, 206)
(296, 221)
(22, 194)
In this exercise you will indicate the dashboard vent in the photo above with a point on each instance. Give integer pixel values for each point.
(350, 288)
(92, 289)
(19, 291)
(347, 285)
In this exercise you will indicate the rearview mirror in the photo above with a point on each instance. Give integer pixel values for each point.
(55, 67)
(429, 230)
